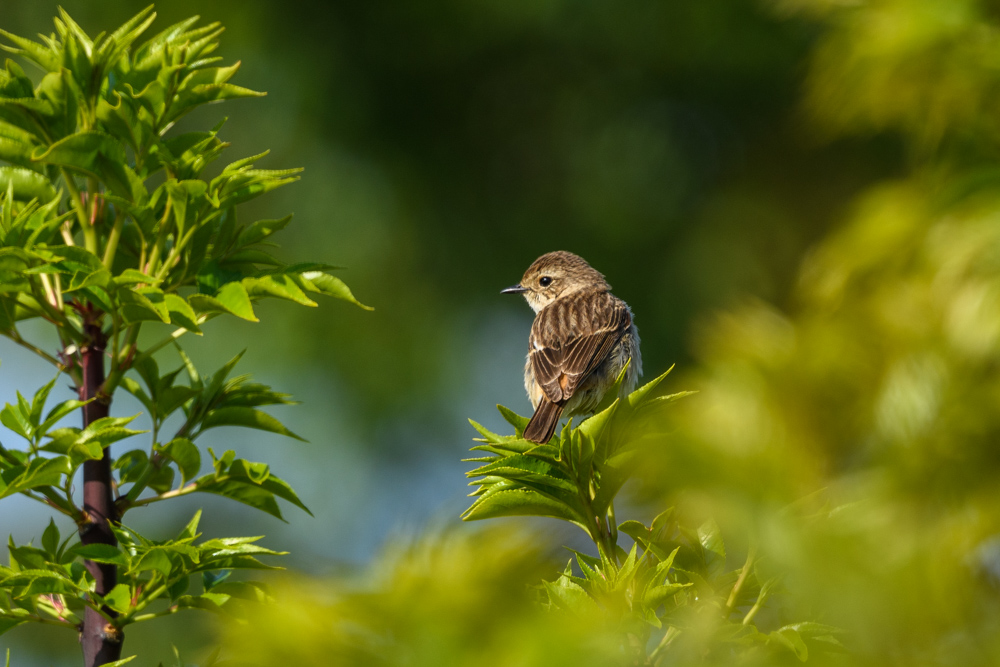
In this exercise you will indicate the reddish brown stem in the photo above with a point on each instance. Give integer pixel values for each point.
(101, 641)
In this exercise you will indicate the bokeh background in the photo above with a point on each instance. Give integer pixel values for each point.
(799, 199)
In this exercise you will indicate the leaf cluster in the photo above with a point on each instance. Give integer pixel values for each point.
(673, 583)
(49, 583)
(112, 225)
(108, 218)
(574, 477)
(45, 469)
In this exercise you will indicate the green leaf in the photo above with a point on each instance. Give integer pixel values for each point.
(242, 492)
(205, 93)
(248, 417)
(119, 598)
(185, 454)
(40, 472)
(9, 623)
(277, 285)
(134, 277)
(181, 313)
(249, 483)
(244, 590)
(520, 502)
(26, 183)
(324, 283)
(50, 538)
(132, 465)
(791, 640)
(100, 553)
(107, 430)
(637, 397)
(212, 578)
(38, 401)
(58, 412)
(232, 299)
(39, 582)
(143, 304)
(517, 421)
(568, 595)
(636, 530)
(17, 420)
(46, 58)
(154, 559)
(710, 538)
(82, 152)
(260, 230)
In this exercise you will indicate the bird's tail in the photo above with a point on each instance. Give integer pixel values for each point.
(543, 423)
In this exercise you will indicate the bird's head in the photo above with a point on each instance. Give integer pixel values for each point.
(556, 274)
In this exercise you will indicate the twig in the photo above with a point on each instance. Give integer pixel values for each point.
(751, 553)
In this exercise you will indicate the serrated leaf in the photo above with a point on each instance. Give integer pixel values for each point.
(154, 559)
(181, 313)
(569, 595)
(277, 285)
(324, 283)
(249, 483)
(517, 421)
(232, 299)
(520, 502)
(26, 183)
(82, 152)
(248, 417)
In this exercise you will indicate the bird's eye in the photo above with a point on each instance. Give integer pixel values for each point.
(545, 281)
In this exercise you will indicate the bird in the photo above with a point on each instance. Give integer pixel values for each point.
(581, 339)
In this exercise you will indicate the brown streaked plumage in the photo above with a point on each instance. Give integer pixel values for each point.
(580, 340)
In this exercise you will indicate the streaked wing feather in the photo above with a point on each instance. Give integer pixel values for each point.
(578, 357)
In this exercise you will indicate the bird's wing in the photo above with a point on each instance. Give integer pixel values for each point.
(571, 337)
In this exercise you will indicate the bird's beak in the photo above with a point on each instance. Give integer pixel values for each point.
(514, 289)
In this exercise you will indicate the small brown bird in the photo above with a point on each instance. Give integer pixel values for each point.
(580, 340)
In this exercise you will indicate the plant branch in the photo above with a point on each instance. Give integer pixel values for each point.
(172, 609)
(161, 239)
(112, 245)
(167, 340)
(16, 337)
(100, 645)
(120, 359)
(54, 501)
(174, 493)
(51, 621)
(668, 638)
(89, 233)
(751, 553)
